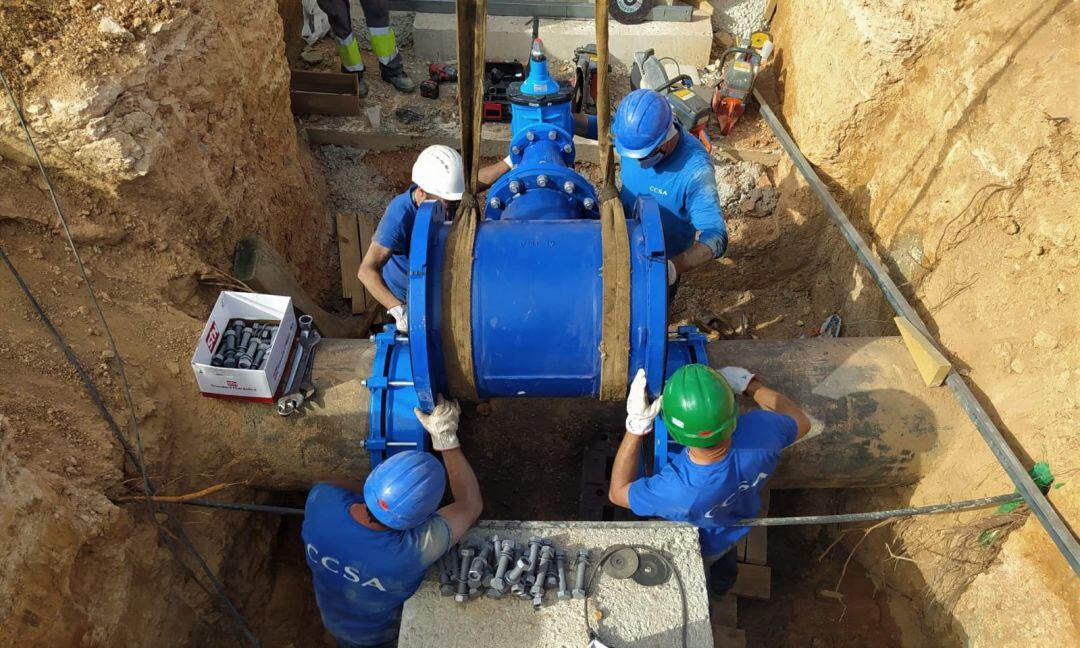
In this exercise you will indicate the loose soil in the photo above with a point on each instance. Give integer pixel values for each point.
(169, 138)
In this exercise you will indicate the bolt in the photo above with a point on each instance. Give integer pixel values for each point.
(567, 149)
(582, 565)
(245, 358)
(498, 583)
(218, 359)
(245, 338)
(523, 565)
(590, 204)
(552, 135)
(463, 575)
(563, 592)
(541, 181)
(495, 203)
(568, 187)
(230, 340)
(446, 579)
(515, 150)
(238, 327)
(546, 553)
(515, 187)
(552, 571)
(479, 565)
(230, 359)
(306, 322)
(531, 136)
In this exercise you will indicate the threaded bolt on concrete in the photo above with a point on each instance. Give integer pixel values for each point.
(579, 581)
(537, 591)
(463, 575)
(563, 592)
(498, 583)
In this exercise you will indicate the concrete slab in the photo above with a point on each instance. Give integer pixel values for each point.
(508, 38)
(622, 611)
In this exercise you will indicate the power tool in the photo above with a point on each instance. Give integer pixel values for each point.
(737, 79)
(437, 73)
(584, 81)
(691, 111)
(498, 75)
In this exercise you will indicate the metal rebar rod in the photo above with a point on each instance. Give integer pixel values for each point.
(1042, 508)
(964, 505)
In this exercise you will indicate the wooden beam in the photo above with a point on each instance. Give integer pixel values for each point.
(932, 365)
(754, 581)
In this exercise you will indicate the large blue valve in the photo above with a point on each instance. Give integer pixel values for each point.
(537, 284)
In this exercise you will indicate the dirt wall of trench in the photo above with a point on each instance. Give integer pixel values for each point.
(167, 130)
(948, 132)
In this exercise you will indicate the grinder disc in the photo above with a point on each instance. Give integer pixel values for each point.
(622, 564)
(652, 570)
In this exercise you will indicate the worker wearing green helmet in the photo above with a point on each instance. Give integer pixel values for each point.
(717, 478)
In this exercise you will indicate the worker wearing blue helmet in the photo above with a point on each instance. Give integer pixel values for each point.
(369, 546)
(660, 159)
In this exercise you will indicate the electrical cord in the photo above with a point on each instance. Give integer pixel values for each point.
(665, 557)
(134, 454)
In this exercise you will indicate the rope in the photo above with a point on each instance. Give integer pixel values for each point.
(458, 262)
(615, 242)
(134, 454)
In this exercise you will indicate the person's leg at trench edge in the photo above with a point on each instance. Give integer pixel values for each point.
(722, 574)
(377, 15)
(347, 46)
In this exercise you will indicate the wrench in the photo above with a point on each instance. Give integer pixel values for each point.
(299, 386)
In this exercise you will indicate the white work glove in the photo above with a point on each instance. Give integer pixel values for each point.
(737, 377)
(441, 424)
(400, 313)
(672, 273)
(639, 413)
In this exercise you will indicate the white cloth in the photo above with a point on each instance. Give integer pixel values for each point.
(316, 22)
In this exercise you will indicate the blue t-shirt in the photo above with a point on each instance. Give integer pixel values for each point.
(394, 233)
(714, 496)
(362, 576)
(684, 185)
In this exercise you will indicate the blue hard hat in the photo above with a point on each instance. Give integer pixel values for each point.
(641, 123)
(405, 490)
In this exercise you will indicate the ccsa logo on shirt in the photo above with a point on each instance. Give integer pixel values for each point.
(658, 191)
(333, 565)
(743, 487)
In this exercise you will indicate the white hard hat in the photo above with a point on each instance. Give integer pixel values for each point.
(438, 171)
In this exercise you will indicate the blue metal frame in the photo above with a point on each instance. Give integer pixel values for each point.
(687, 346)
(392, 425)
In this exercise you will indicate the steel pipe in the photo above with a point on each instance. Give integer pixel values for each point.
(875, 423)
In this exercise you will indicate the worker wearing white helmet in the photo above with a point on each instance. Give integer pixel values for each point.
(438, 174)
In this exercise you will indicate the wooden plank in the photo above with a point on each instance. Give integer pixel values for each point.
(322, 103)
(754, 581)
(932, 365)
(324, 82)
(740, 547)
(366, 224)
(724, 612)
(727, 637)
(349, 255)
(756, 540)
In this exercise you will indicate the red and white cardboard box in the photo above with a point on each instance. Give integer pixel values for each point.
(250, 384)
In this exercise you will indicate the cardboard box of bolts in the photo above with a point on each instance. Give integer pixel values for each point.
(268, 323)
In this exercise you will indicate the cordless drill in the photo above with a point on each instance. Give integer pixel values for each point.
(437, 73)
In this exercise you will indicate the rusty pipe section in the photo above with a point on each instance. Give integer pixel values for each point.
(875, 422)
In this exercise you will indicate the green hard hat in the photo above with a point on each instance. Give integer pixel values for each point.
(699, 407)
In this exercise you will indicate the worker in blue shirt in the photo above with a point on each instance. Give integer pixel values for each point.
(437, 175)
(369, 546)
(658, 158)
(717, 479)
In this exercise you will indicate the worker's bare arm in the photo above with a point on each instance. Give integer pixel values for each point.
(468, 503)
(491, 173)
(625, 469)
(774, 401)
(370, 274)
(698, 254)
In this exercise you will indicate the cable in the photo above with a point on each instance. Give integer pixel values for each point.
(135, 456)
(235, 506)
(964, 505)
(596, 571)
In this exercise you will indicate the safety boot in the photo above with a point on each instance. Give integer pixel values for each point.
(349, 54)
